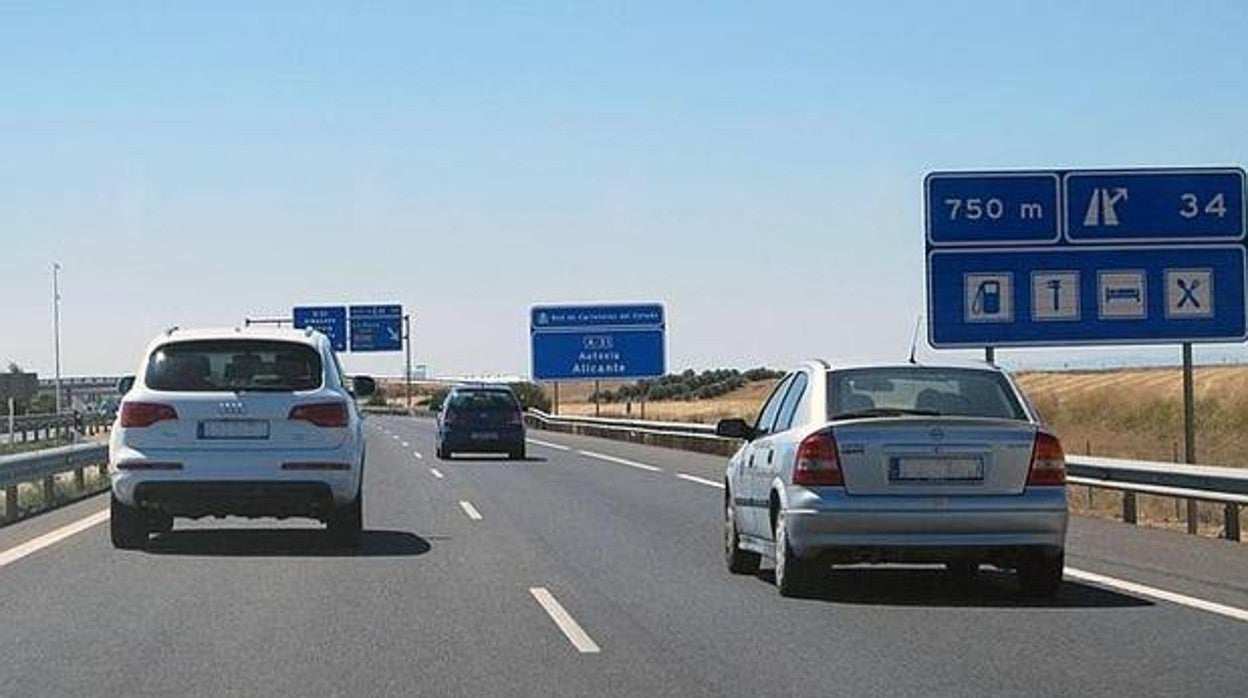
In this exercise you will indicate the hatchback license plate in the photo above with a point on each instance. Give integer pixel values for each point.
(234, 429)
(936, 469)
(484, 435)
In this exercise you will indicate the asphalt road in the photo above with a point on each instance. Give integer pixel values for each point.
(584, 574)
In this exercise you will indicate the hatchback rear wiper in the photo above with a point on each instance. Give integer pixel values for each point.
(885, 412)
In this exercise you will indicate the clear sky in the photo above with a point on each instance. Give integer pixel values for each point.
(755, 166)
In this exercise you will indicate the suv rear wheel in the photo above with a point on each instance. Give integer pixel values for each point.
(127, 525)
(345, 524)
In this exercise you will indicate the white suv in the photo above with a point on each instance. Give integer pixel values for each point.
(247, 422)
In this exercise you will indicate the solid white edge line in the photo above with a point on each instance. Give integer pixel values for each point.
(547, 444)
(1155, 593)
(436, 473)
(621, 461)
(470, 510)
(564, 620)
(700, 480)
(35, 545)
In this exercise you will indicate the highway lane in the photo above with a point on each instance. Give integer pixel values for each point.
(439, 602)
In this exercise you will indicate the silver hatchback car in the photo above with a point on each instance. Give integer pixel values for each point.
(904, 463)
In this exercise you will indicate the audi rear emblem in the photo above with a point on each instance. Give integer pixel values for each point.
(232, 408)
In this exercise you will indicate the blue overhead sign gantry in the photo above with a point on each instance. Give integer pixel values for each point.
(613, 342)
(330, 321)
(363, 328)
(1085, 257)
(376, 327)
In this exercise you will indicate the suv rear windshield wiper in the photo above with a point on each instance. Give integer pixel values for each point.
(886, 412)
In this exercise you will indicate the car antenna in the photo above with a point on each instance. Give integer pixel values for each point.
(914, 338)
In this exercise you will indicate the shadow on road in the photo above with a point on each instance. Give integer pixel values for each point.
(489, 458)
(937, 588)
(284, 542)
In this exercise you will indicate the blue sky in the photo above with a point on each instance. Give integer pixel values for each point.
(757, 167)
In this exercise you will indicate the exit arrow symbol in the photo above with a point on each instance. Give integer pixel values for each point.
(394, 336)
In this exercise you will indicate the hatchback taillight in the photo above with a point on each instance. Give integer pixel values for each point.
(322, 414)
(136, 415)
(817, 461)
(1048, 461)
(515, 418)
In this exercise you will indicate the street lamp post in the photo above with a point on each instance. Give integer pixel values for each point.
(56, 327)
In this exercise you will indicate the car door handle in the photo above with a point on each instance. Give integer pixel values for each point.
(750, 462)
(769, 454)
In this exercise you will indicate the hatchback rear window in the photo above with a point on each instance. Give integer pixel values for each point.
(484, 401)
(921, 391)
(235, 365)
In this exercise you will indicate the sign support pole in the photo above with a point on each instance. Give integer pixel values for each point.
(556, 397)
(1189, 429)
(597, 410)
(407, 373)
(990, 355)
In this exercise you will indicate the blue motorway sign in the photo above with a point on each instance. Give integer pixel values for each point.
(1129, 256)
(330, 321)
(376, 327)
(615, 342)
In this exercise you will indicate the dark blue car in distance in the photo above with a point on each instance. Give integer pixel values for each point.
(481, 419)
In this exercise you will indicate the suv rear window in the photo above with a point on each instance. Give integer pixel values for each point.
(921, 390)
(234, 364)
(483, 400)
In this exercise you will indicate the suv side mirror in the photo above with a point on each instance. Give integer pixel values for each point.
(735, 429)
(363, 386)
(125, 384)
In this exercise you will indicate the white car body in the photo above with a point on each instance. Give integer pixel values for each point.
(179, 467)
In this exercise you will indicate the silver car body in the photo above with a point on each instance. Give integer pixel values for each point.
(876, 517)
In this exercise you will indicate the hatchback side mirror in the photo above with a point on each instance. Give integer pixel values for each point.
(363, 386)
(125, 384)
(735, 429)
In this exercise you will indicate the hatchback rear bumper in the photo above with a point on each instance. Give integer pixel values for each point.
(491, 439)
(826, 521)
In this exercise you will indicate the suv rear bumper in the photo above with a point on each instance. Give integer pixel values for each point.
(236, 498)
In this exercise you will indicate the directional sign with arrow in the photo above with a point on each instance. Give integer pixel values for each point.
(376, 327)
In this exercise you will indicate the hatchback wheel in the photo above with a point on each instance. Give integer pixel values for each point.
(739, 561)
(127, 525)
(1040, 574)
(516, 453)
(794, 576)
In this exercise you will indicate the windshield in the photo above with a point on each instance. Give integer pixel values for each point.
(234, 365)
(921, 391)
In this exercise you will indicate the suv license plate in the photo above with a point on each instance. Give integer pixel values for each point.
(234, 429)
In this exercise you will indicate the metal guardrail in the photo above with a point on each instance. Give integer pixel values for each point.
(37, 427)
(43, 467)
(1226, 486)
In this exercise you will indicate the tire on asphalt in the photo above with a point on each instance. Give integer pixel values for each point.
(346, 523)
(739, 561)
(1040, 573)
(795, 577)
(127, 525)
(516, 453)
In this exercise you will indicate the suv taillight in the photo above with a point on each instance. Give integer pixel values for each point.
(515, 418)
(322, 414)
(1048, 461)
(817, 461)
(135, 415)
